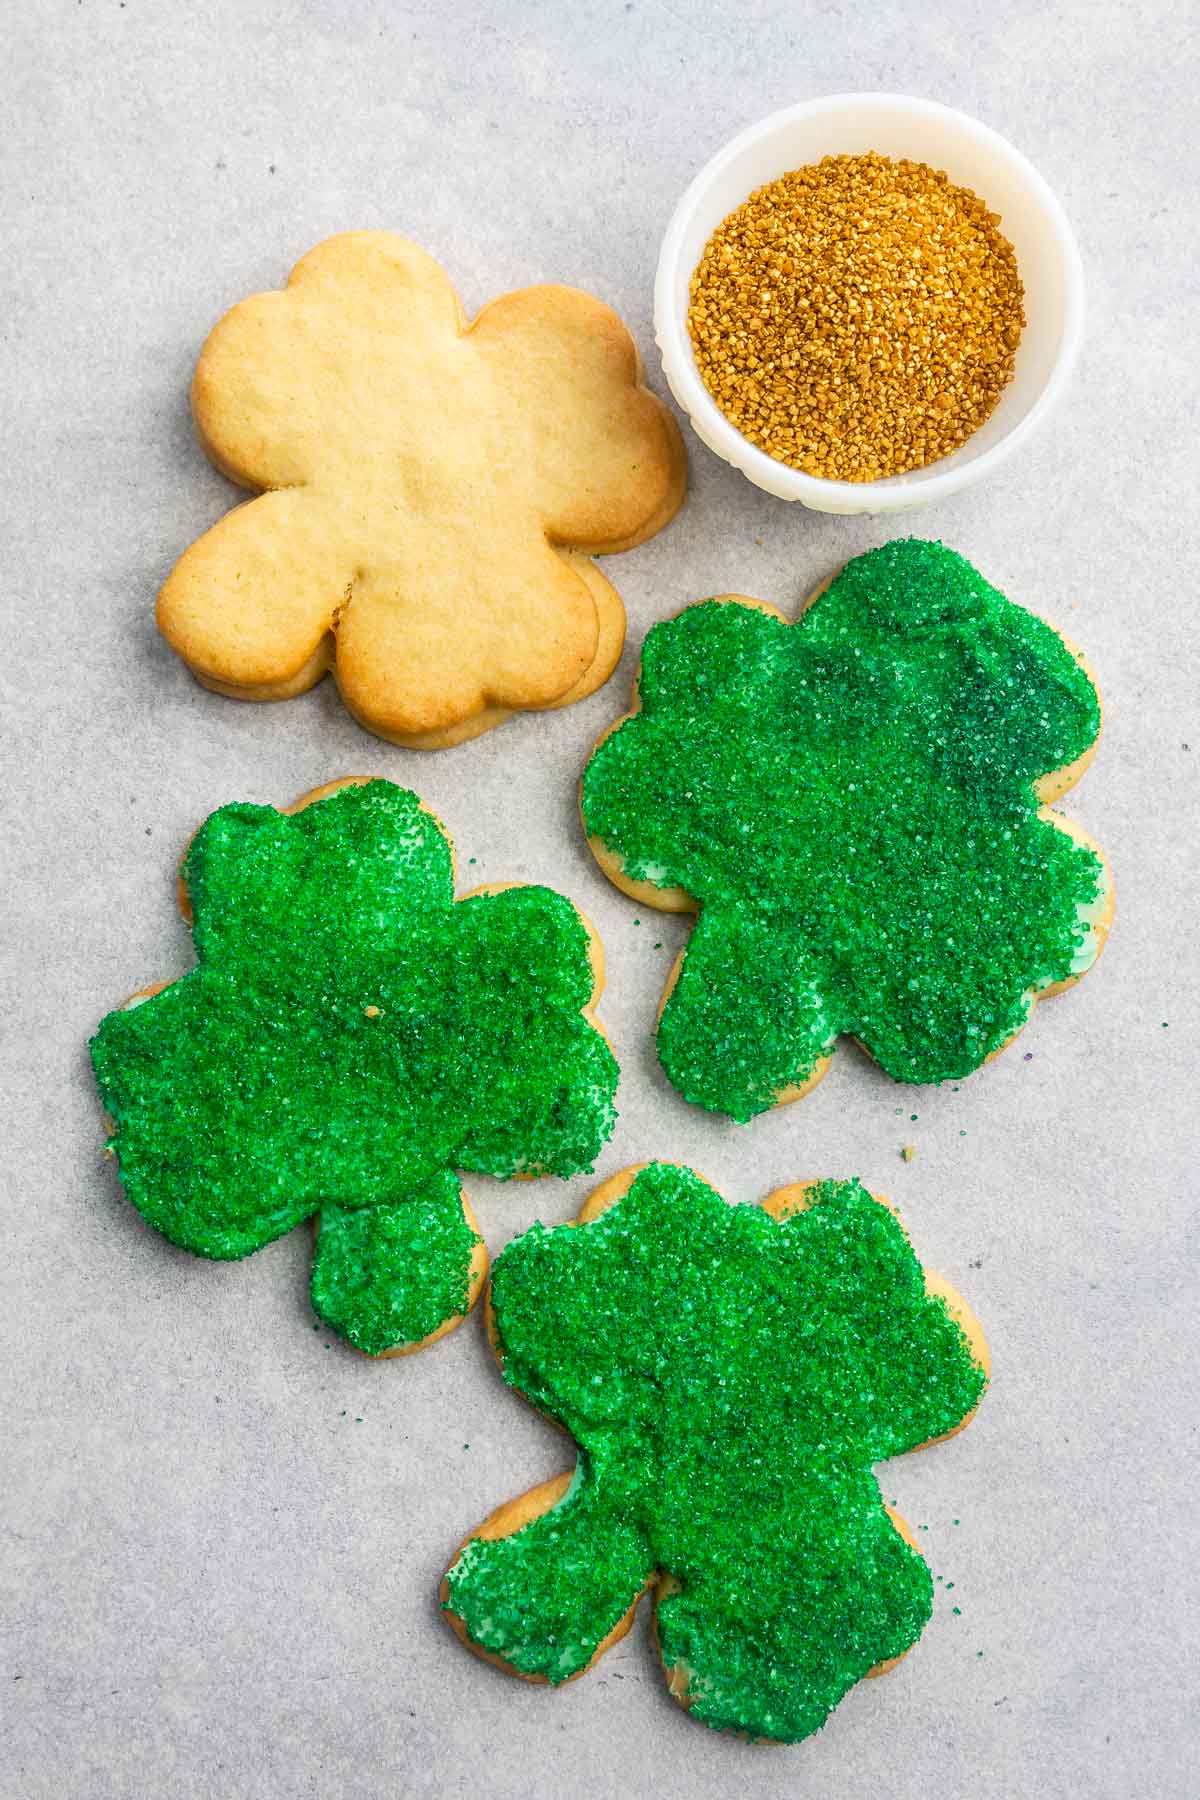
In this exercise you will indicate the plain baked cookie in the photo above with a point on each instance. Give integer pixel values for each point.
(350, 1038)
(430, 488)
(731, 1374)
(857, 807)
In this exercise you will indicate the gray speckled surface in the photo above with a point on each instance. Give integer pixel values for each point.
(216, 1581)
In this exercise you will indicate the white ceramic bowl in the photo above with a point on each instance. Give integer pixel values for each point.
(974, 157)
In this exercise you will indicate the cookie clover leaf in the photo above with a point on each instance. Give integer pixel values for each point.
(856, 805)
(429, 489)
(730, 1374)
(350, 1037)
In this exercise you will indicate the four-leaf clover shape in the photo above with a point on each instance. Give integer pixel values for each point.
(730, 1374)
(351, 1037)
(430, 490)
(857, 806)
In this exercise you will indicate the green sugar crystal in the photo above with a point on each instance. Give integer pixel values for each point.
(850, 801)
(730, 1381)
(349, 1038)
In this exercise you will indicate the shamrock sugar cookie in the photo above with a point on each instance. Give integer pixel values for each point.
(430, 488)
(856, 805)
(350, 1037)
(731, 1374)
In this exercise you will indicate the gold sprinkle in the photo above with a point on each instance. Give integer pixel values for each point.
(857, 318)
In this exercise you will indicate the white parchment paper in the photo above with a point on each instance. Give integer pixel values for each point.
(223, 1530)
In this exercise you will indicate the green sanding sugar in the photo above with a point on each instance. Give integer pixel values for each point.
(730, 1382)
(349, 1038)
(385, 1275)
(850, 800)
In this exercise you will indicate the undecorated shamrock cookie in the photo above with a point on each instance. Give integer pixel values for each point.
(731, 1374)
(857, 807)
(350, 1037)
(430, 488)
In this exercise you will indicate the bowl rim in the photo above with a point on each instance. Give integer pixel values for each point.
(893, 493)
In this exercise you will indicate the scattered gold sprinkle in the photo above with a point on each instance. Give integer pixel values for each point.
(372, 1012)
(858, 317)
(907, 1152)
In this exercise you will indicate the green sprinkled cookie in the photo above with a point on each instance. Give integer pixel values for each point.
(856, 805)
(731, 1374)
(350, 1037)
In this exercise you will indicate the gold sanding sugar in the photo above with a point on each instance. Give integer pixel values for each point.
(858, 317)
